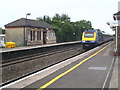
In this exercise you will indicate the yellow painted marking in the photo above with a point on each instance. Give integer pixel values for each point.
(64, 73)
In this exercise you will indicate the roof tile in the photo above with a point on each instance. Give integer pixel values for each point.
(30, 23)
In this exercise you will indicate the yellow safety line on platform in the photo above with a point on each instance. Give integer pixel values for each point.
(64, 73)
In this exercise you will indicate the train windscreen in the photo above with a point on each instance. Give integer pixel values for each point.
(89, 34)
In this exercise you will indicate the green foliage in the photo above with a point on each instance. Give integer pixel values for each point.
(58, 33)
(45, 18)
(2, 31)
(66, 30)
(63, 17)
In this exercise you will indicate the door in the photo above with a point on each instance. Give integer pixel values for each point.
(44, 37)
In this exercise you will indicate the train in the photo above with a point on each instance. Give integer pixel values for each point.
(92, 38)
(2, 40)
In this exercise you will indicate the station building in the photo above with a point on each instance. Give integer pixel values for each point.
(25, 32)
(116, 16)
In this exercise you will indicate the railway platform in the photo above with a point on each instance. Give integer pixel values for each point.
(33, 47)
(11, 53)
(97, 69)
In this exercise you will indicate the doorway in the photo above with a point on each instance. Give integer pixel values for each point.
(44, 37)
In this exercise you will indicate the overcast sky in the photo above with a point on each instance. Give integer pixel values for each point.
(96, 11)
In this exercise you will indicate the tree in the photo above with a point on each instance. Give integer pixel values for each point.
(65, 18)
(2, 31)
(45, 18)
(58, 33)
(79, 27)
(66, 30)
(56, 17)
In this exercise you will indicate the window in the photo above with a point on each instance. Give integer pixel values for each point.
(33, 35)
(89, 34)
(38, 35)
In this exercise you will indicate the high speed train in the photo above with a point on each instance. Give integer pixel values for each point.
(92, 38)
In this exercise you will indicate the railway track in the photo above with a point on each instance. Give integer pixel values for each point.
(31, 57)
(16, 68)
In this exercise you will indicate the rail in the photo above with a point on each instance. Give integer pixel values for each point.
(44, 57)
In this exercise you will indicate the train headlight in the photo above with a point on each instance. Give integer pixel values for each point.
(83, 41)
(93, 41)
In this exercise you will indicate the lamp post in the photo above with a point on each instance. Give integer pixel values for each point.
(116, 35)
(26, 29)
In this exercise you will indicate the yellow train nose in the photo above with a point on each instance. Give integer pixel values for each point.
(89, 38)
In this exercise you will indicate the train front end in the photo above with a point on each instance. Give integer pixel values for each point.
(89, 39)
